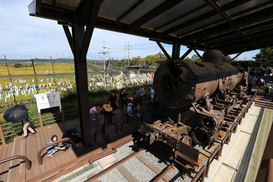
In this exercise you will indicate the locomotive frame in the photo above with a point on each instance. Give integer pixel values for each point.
(201, 119)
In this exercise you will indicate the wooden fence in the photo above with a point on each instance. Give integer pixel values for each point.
(10, 130)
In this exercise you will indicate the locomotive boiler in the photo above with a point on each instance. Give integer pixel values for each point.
(193, 98)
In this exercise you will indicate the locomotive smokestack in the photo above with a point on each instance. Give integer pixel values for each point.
(213, 56)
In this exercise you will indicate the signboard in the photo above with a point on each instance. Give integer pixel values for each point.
(48, 100)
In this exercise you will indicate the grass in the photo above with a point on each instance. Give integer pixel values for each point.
(40, 68)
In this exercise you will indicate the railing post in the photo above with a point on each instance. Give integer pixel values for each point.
(2, 135)
(63, 118)
(41, 120)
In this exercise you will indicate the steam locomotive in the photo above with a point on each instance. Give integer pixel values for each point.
(193, 98)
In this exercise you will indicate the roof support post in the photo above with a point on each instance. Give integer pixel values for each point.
(186, 53)
(176, 49)
(237, 55)
(197, 53)
(82, 84)
(79, 42)
(163, 50)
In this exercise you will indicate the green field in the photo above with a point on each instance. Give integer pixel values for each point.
(40, 68)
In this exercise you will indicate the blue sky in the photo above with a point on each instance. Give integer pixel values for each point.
(24, 37)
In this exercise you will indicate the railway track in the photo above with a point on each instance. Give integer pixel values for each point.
(156, 163)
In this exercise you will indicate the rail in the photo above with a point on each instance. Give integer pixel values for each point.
(163, 173)
(114, 166)
(17, 157)
(39, 157)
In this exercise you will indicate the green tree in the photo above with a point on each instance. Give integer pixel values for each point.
(265, 57)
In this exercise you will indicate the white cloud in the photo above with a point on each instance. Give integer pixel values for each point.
(24, 36)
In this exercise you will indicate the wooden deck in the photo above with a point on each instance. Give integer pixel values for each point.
(15, 170)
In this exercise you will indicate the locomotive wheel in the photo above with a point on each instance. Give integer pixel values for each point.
(201, 136)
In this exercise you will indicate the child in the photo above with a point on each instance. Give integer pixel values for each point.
(53, 148)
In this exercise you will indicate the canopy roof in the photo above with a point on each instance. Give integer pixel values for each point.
(232, 26)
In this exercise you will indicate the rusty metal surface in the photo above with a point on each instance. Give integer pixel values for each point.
(17, 157)
(163, 173)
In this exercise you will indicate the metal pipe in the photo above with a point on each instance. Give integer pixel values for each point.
(17, 157)
(217, 150)
(113, 166)
(53, 143)
(200, 172)
(102, 156)
(114, 150)
(163, 173)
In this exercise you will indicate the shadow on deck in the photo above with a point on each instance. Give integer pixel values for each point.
(63, 161)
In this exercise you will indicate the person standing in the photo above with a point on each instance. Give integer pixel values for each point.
(129, 111)
(95, 110)
(108, 113)
(113, 101)
(141, 93)
(123, 101)
(26, 126)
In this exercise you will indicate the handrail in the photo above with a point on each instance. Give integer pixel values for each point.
(17, 157)
(50, 144)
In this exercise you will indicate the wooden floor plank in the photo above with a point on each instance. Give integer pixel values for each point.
(5, 169)
(46, 162)
(15, 168)
(31, 152)
(3, 156)
(40, 144)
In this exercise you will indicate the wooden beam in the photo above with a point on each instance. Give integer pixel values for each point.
(242, 21)
(216, 7)
(182, 16)
(90, 27)
(176, 50)
(78, 35)
(134, 6)
(154, 13)
(163, 50)
(198, 54)
(189, 23)
(237, 55)
(186, 53)
(69, 38)
(213, 24)
(64, 16)
(83, 11)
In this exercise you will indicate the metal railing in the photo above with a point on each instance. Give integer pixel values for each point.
(39, 157)
(17, 157)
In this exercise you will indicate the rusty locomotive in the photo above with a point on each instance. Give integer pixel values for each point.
(193, 98)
